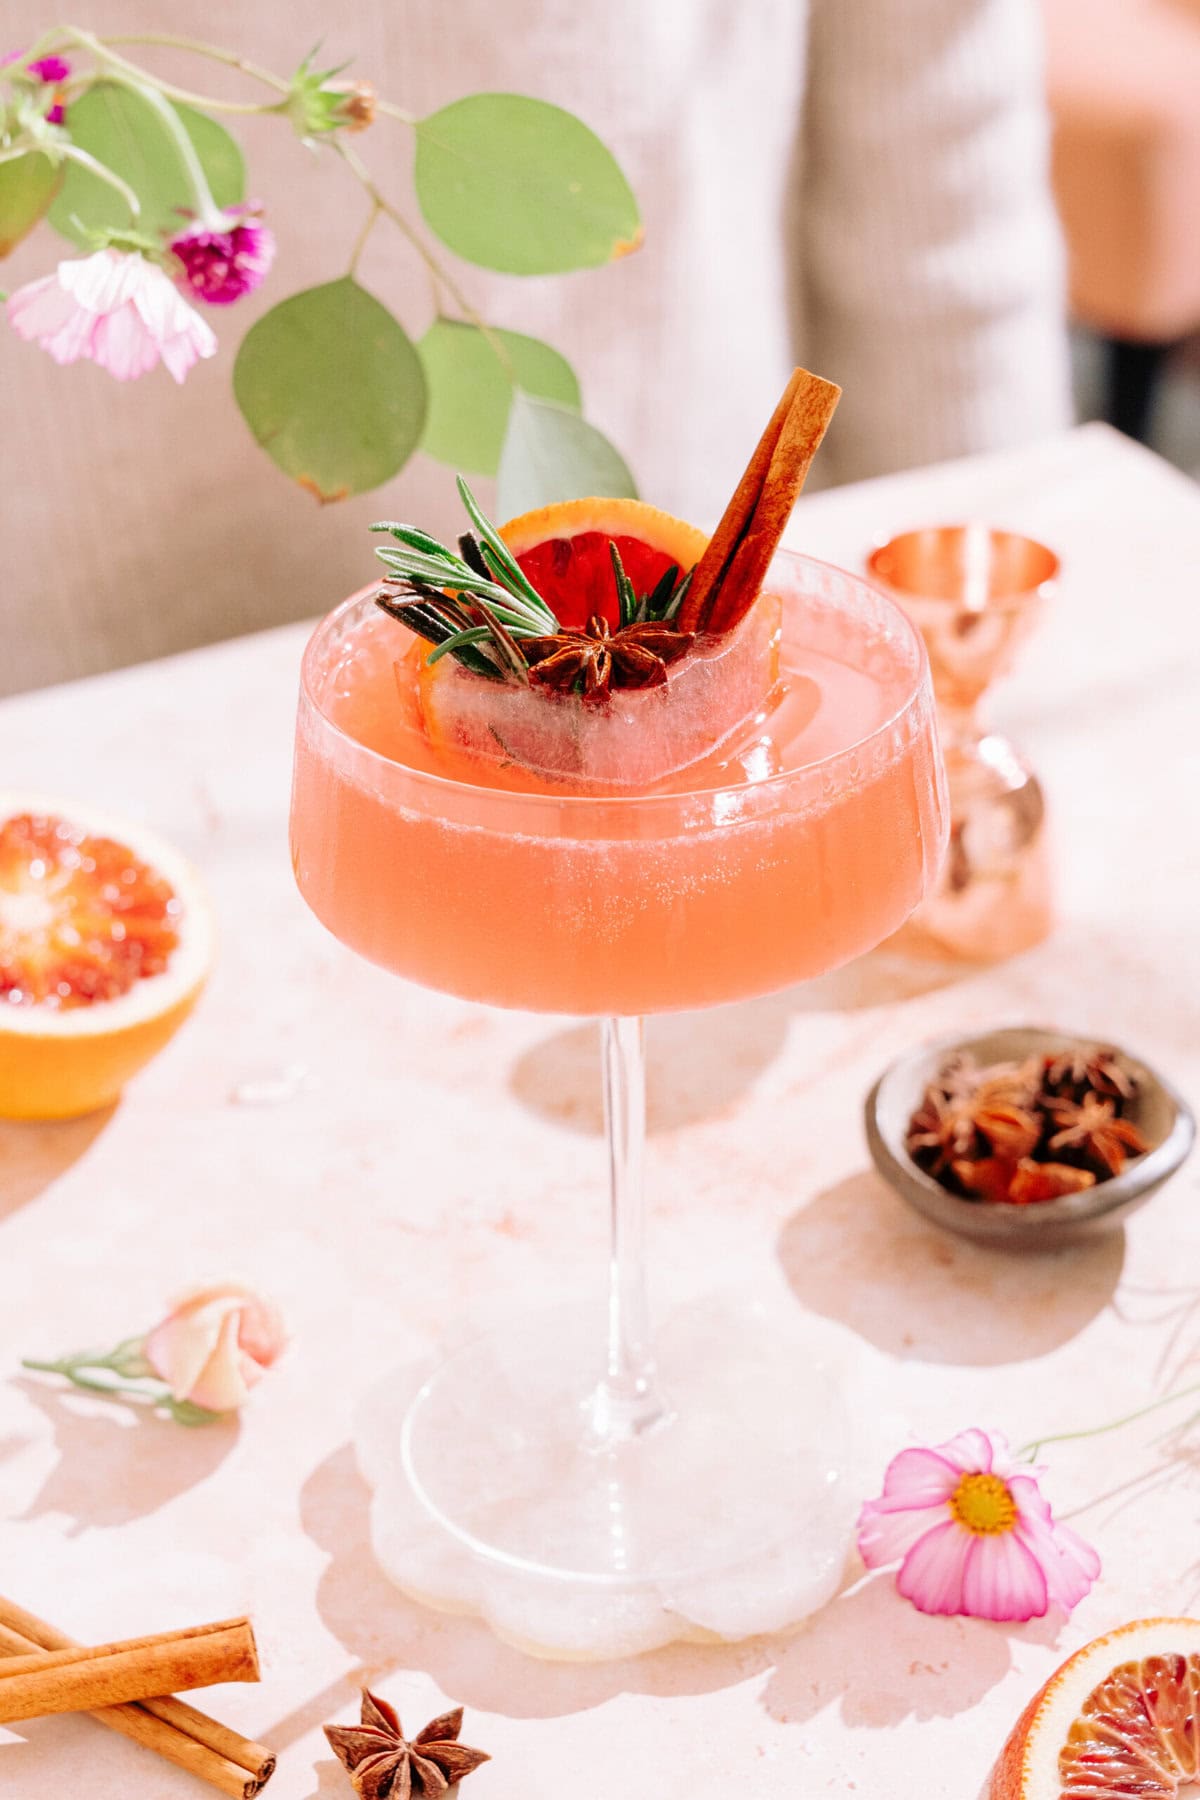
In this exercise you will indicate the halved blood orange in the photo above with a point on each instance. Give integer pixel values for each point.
(105, 940)
(1120, 1719)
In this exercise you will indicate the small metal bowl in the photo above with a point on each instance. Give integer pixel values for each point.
(1158, 1110)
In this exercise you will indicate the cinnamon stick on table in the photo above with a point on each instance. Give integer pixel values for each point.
(177, 1732)
(727, 579)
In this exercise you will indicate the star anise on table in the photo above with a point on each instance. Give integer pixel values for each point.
(601, 659)
(1091, 1134)
(385, 1765)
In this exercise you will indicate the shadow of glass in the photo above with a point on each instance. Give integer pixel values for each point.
(388, 1633)
(858, 1255)
(699, 1064)
(33, 1155)
(118, 1462)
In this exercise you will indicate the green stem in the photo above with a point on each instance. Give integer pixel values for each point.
(359, 169)
(361, 239)
(206, 208)
(111, 61)
(169, 41)
(74, 154)
(1029, 1452)
(395, 112)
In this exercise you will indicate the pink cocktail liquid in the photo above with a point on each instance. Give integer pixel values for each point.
(805, 840)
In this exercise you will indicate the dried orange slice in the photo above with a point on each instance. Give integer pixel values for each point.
(105, 941)
(1121, 1718)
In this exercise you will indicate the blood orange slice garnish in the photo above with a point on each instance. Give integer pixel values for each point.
(574, 575)
(105, 941)
(1119, 1721)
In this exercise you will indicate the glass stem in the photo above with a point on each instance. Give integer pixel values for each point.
(627, 1402)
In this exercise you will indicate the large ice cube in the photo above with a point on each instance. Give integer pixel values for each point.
(635, 739)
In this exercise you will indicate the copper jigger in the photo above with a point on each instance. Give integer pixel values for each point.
(975, 595)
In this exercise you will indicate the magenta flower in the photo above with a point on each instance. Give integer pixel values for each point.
(49, 69)
(973, 1534)
(116, 309)
(223, 263)
(52, 70)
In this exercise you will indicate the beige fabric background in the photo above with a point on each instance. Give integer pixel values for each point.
(142, 518)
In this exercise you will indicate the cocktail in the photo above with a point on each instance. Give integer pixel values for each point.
(590, 1486)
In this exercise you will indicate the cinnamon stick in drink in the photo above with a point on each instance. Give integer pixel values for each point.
(80, 1678)
(729, 576)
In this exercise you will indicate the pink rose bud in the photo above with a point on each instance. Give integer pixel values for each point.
(215, 1344)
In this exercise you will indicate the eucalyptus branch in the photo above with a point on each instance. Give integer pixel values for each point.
(438, 270)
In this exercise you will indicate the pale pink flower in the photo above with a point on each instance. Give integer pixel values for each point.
(215, 1344)
(973, 1534)
(221, 263)
(114, 308)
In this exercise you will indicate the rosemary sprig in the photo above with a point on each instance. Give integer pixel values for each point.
(654, 604)
(627, 600)
(508, 569)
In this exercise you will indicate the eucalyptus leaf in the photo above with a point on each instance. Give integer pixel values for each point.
(471, 389)
(552, 454)
(125, 131)
(518, 185)
(28, 185)
(332, 387)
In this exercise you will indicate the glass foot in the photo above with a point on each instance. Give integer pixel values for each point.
(728, 1517)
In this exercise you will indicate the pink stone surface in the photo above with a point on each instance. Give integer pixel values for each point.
(307, 1131)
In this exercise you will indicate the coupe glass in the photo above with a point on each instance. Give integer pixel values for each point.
(591, 1486)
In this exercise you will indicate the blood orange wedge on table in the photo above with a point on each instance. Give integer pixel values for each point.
(642, 735)
(1119, 1721)
(105, 941)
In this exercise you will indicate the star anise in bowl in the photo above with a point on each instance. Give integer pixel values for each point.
(969, 1115)
(1090, 1135)
(1014, 1132)
(941, 1130)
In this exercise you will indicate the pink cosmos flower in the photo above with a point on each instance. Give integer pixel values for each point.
(220, 265)
(215, 1344)
(113, 308)
(973, 1534)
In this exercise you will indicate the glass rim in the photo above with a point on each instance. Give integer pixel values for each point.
(677, 797)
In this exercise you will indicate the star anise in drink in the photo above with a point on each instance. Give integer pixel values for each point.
(385, 1765)
(1090, 1135)
(598, 659)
